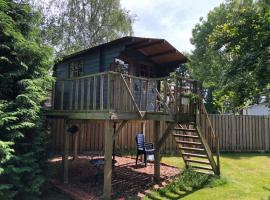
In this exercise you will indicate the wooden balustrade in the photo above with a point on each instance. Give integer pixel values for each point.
(123, 93)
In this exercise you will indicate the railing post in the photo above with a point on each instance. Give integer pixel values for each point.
(218, 154)
(109, 92)
(76, 94)
(101, 92)
(82, 95)
(155, 95)
(165, 96)
(88, 93)
(146, 94)
(95, 93)
(71, 96)
(180, 95)
(53, 95)
(62, 95)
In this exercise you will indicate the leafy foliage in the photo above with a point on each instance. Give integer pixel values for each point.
(231, 56)
(25, 67)
(80, 24)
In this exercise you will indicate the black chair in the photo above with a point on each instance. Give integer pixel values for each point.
(143, 148)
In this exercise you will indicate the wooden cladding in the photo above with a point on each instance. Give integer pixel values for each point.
(123, 93)
(236, 133)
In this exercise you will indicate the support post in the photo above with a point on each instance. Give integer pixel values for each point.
(143, 124)
(107, 187)
(75, 145)
(157, 151)
(65, 153)
(81, 140)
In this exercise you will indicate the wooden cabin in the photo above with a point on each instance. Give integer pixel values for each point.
(132, 78)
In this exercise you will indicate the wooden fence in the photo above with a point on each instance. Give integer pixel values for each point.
(236, 133)
(243, 133)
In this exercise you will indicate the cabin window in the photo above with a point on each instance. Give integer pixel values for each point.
(146, 70)
(76, 69)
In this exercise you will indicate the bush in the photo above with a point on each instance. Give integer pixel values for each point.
(25, 67)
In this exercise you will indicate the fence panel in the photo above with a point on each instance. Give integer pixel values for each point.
(241, 133)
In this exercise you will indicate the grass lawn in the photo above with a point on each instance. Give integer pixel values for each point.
(247, 177)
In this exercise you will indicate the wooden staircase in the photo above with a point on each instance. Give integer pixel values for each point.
(194, 135)
(194, 149)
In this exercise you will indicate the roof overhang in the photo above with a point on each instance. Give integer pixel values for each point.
(158, 50)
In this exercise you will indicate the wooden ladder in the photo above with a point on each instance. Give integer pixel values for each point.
(194, 149)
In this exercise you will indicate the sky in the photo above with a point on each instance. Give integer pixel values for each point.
(172, 20)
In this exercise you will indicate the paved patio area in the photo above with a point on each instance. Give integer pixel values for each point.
(128, 180)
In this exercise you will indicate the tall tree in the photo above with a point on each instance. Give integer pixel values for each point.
(74, 25)
(231, 53)
(25, 67)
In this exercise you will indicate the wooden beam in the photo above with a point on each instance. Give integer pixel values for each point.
(101, 91)
(76, 94)
(82, 142)
(88, 94)
(95, 93)
(82, 95)
(122, 124)
(109, 92)
(208, 151)
(65, 153)
(162, 53)
(75, 145)
(108, 143)
(147, 44)
(143, 127)
(71, 96)
(137, 43)
(157, 151)
(131, 96)
(62, 95)
(53, 94)
(165, 135)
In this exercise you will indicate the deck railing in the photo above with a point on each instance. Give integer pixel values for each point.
(124, 93)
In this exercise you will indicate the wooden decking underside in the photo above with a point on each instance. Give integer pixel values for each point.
(111, 115)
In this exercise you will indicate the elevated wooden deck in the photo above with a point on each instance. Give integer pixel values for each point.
(115, 96)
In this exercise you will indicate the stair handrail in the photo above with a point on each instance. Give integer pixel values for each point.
(213, 134)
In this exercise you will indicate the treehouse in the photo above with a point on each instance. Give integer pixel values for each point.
(132, 78)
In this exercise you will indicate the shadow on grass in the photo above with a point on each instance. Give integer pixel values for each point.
(188, 183)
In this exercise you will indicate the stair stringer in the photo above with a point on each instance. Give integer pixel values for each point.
(207, 150)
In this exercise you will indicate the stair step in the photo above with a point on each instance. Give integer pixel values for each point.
(190, 123)
(198, 161)
(204, 172)
(191, 149)
(186, 136)
(188, 142)
(185, 129)
(195, 155)
(202, 167)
